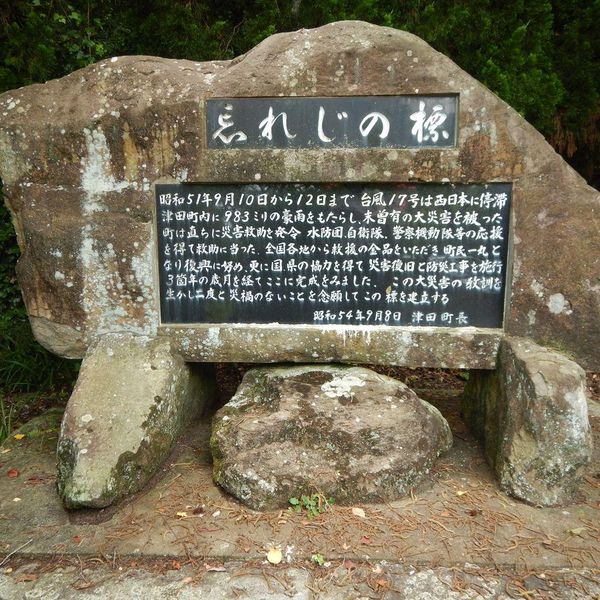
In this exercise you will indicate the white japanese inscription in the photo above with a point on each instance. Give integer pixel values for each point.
(371, 120)
(225, 122)
(344, 255)
(266, 125)
(328, 122)
(320, 132)
(426, 125)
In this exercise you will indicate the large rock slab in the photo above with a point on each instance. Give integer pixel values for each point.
(132, 399)
(531, 415)
(79, 155)
(347, 432)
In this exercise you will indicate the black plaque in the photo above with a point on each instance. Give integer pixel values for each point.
(333, 254)
(341, 122)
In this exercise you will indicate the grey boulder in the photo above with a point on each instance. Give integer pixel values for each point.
(346, 432)
(531, 416)
(132, 400)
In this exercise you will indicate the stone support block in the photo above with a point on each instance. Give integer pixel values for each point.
(133, 398)
(531, 416)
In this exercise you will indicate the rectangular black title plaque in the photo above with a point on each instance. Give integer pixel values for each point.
(343, 254)
(340, 122)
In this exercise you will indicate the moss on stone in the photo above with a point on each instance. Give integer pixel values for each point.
(299, 437)
(532, 424)
(103, 456)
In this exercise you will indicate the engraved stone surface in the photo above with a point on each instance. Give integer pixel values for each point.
(422, 255)
(403, 121)
(79, 157)
(346, 432)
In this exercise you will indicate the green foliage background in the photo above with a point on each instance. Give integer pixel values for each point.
(541, 56)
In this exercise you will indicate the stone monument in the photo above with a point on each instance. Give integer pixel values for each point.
(345, 194)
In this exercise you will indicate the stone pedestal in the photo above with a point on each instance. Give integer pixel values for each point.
(132, 399)
(531, 416)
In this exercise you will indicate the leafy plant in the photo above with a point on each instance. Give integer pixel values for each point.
(6, 415)
(24, 365)
(314, 505)
(10, 296)
(318, 558)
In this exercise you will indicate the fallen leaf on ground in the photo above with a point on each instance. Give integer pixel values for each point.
(461, 493)
(35, 480)
(577, 531)
(358, 512)
(217, 568)
(274, 556)
(5, 450)
(19, 436)
(182, 514)
(13, 473)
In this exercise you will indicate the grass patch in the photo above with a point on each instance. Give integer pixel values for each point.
(32, 380)
(17, 410)
(25, 366)
(6, 419)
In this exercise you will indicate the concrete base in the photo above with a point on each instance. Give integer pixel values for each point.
(531, 417)
(346, 580)
(132, 399)
(437, 347)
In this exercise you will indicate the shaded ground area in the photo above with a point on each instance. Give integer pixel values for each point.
(444, 381)
(458, 517)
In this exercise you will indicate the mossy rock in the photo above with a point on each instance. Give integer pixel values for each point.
(346, 432)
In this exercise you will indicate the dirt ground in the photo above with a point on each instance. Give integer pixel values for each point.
(457, 517)
(456, 536)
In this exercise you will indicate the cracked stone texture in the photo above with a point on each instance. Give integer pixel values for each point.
(79, 155)
(346, 432)
(360, 582)
(137, 584)
(132, 399)
(531, 416)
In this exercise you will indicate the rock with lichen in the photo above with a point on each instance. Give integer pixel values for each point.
(531, 416)
(79, 156)
(133, 398)
(346, 432)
